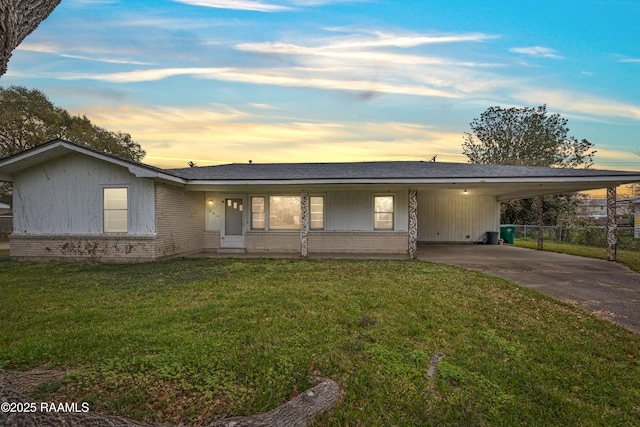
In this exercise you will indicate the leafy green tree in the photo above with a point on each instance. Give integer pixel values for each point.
(526, 136)
(557, 209)
(29, 119)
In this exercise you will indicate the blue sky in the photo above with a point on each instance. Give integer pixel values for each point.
(219, 81)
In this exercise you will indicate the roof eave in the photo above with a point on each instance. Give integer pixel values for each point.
(605, 179)
(59, 148)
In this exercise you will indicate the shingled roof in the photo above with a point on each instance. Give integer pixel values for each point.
(379, 170)
(502, 180)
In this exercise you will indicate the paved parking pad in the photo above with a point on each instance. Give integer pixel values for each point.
(609, 289)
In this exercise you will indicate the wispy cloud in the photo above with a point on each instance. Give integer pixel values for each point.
(57, 50)
(349, 54)
(383, 39)
(92, 2)
(368, 63)
(324, 2)
(579, 103)
(239, 136)
(256, 6)
(632, 60)
(537, 51)
(259, 6)
(293, 77)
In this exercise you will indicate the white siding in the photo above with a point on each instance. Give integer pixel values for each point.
(353, 210)
(345, 210)
(64, 196)
(456, 218)
(213, 213)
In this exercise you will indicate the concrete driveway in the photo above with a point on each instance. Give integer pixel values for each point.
(610, 290)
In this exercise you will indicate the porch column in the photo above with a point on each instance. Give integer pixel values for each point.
(413, 223)
(612, 227)
(304, 223)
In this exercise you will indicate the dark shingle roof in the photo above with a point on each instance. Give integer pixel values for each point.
(334, 172)
(378, 170)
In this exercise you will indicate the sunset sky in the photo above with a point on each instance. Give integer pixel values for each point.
(221, 81)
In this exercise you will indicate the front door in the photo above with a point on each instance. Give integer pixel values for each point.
(233, 233)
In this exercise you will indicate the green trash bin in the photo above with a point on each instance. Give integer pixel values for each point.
(507, 233)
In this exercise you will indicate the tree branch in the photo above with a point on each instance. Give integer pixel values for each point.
(18, 19)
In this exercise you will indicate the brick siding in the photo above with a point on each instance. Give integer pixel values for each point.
(179, 220)
(396, 242)
(211, 241)
(93, 248)
(273, 241)
(390, 242)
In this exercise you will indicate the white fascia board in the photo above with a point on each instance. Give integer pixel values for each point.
(20, 157)
(60, 148)
(138, 170)
(616, 179)
(142, 172)
(169, 178)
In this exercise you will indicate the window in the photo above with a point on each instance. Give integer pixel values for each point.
(383, 213)
(316, 209)
(284, 212)
(257, 213)
(115, 210)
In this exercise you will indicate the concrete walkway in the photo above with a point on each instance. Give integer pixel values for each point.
(608, 289)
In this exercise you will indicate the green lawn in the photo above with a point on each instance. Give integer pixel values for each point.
(195, 340)
(629, 258)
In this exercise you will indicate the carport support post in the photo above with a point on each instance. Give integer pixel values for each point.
(304, 223)
(612, 227)
(413, 224)
(540, 203)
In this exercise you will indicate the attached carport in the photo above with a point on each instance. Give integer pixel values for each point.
(461, 202)
(610, 290)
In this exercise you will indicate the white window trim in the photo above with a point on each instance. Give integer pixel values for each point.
(128, 188)
(393, 211)
(266, 212)
(324, 212)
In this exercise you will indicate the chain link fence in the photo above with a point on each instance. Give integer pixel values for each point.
(588, 236)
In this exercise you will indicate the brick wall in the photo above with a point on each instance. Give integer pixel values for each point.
(211, 240)
(395, 242)
(98, 248)
(273, 241)
(391, 242)
(179, 220)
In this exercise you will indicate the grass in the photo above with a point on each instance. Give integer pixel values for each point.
(630, 258)
(195, 340)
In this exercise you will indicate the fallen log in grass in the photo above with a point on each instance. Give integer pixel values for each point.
(297, 412)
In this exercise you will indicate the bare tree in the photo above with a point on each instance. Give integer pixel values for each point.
(18, 19)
